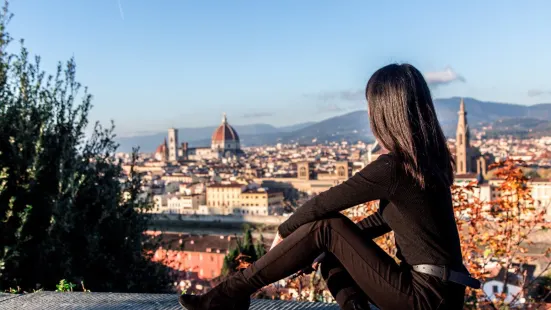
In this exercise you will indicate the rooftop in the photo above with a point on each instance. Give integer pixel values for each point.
(115, 301)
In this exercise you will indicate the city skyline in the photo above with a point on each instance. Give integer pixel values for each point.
(184, 63)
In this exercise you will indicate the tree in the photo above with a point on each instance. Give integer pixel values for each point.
(496, 234)
(244, 253)
(62, 210)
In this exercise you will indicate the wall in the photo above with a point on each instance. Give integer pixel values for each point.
(489, 285)
(255, 219)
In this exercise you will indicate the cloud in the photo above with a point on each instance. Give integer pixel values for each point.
(258, 115)
(434, 78)
(447, 76)
(342, 95)
(539, 92)
(329, 108)
(120, 10)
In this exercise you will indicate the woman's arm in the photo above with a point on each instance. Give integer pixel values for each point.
(373, 226)
(371, 183)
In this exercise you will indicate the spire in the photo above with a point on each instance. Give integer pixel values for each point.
(224, 118)
(462, 106)
(462, 124)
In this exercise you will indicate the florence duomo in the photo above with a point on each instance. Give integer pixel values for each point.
(225, 143)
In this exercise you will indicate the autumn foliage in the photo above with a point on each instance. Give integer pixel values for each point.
(496, 235)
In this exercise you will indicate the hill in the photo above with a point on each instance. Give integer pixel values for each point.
(354, 126)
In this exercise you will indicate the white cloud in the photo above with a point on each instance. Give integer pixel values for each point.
(344, 95)
(539, 92)
(446, 76)
(329, 108)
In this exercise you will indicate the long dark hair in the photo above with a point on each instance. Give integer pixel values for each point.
(404, 121)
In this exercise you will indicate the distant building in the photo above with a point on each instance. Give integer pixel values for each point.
(468, 160)
(225, 143)
(495, 283)
(224, 195)
(161, 153)
(307, 180)
(177, 203)
(172, 144)
(240, 199)
(193, 256)
(259, 201)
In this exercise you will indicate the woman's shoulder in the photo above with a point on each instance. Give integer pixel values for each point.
(384, 162)
(386, 159)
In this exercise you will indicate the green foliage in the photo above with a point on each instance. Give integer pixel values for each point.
(259, 247)
(246, 249)
(64, 286)
(62, 210)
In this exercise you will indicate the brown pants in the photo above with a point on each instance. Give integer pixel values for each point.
(355, 265)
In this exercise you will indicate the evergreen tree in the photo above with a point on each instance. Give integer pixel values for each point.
(246, 250)
(247, 247)
(62, 210)
(259, 247)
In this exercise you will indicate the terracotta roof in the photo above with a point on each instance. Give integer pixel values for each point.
(225, 132)
(195, 243)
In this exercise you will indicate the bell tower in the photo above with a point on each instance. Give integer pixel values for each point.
(341, 169)
(303, 171)
(172, 144)
(462, 142)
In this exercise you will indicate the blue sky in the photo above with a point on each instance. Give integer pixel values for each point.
(155, 64)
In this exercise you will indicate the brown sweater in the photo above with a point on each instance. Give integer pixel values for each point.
(422, 219)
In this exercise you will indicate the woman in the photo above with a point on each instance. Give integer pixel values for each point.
(412, 183)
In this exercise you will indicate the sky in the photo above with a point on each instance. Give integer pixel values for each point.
(151, 65)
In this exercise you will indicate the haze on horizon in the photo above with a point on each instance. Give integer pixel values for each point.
(183, 63)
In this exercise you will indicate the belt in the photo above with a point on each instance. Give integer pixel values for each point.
(446, 274)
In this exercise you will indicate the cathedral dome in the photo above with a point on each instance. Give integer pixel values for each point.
(224, 133)
(162, 148)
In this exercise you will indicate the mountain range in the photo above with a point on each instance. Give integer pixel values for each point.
(503, 118)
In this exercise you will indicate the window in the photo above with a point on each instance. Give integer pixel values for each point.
(505, 289)
(460, 139)
(495, 289)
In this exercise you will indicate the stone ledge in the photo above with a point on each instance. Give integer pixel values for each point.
(119, 301)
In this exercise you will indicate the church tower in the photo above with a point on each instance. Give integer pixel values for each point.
(462, 142)
(172, 144)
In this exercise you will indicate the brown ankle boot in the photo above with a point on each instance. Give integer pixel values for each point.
(232, 294)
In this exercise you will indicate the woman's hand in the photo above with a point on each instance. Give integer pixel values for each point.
(276, 241)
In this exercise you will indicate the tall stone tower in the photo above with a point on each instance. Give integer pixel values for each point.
(462, 142)
(303, 171)
(172, 144)
(342, 170)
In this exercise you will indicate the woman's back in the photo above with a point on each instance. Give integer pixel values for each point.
(422, 219)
